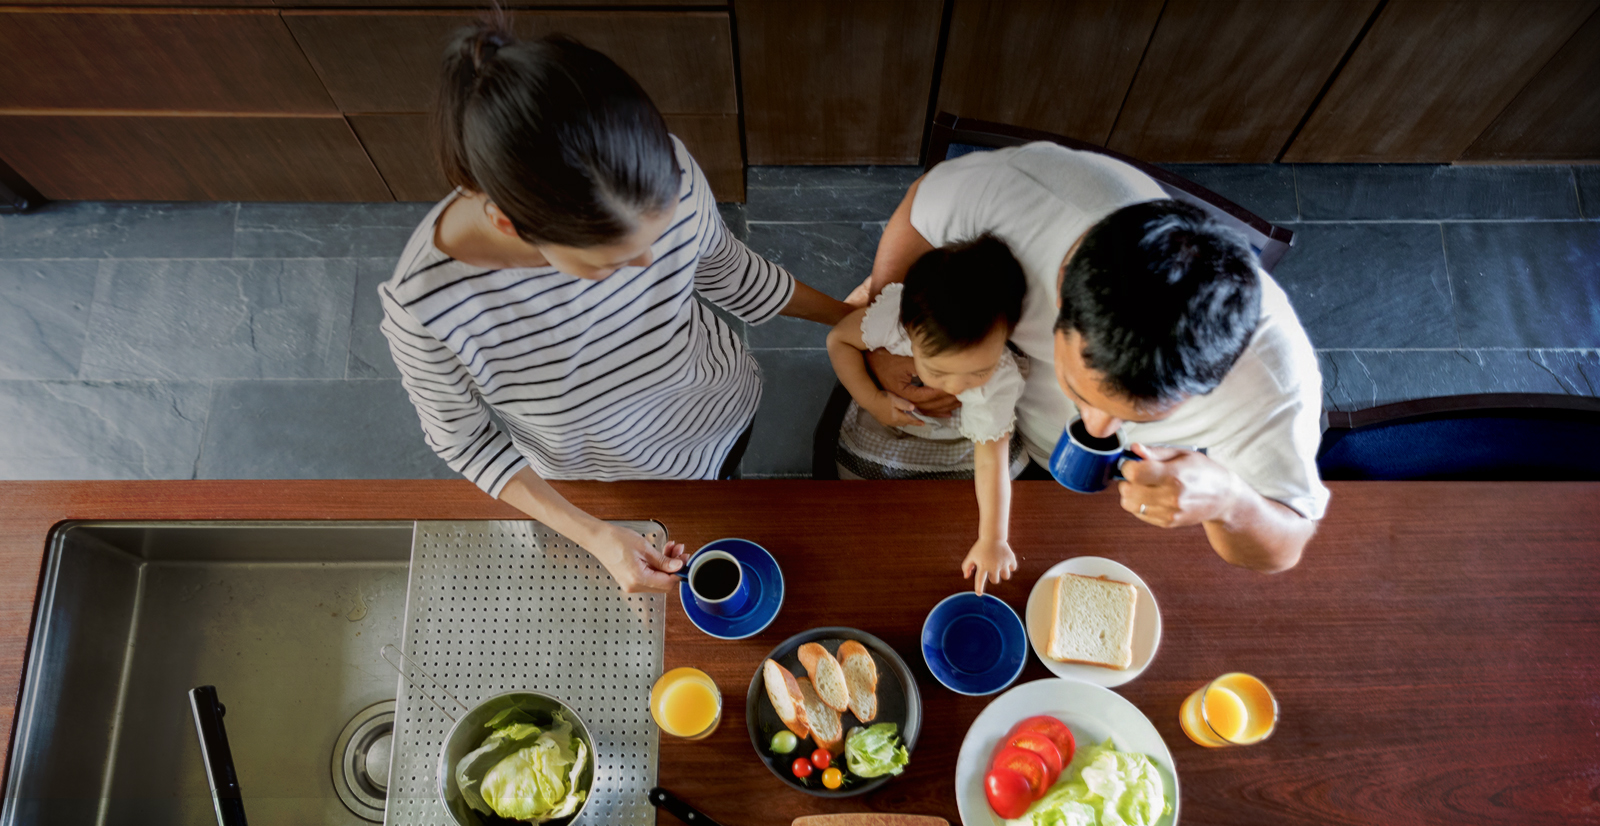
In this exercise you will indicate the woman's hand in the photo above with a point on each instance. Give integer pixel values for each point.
(991, 559)
(634, 563)
(892, 411)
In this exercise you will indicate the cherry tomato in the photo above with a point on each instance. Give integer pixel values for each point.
(833, 778)
(1052, 728)
(1026, 763)
(821, 758)
(1008, 792)
(1042, 746)
(801, 768)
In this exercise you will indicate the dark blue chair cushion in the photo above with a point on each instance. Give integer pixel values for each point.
(1492, 445)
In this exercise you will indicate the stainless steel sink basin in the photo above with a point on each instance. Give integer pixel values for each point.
(285, 619)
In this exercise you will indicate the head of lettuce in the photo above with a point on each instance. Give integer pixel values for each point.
(525, 771)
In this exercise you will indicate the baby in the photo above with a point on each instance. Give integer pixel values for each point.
(952, 316)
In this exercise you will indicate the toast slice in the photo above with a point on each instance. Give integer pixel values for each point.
(826, 727)
(1093, 622)
(827, 676)
(784, 693)
(861, 679)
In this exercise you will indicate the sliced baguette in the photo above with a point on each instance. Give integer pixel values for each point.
(861, 678)
(827, 676)
(1093, 622)
(826, 727)
(784, 693)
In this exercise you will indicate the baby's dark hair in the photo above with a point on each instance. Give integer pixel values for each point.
(556, 134)
(955, 295)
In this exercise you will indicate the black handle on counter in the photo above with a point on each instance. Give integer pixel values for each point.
(218, 758)
(663, 799)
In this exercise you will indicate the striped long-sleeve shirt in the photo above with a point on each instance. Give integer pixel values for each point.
(629, 377)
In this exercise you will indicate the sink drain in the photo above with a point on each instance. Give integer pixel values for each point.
(361, 760)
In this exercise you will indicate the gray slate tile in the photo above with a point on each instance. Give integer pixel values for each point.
(803, 203)
(780, 177)
(1355, 379)
(369, 350)
(1369, 285)
(101, 430)
(795, 385)
(1267, 189)
(44, 313)
(1589, 191)
(1381, 192)
(220, 319)
(833, 258)
(1526, 285)
(316, 430)
(326, 230)
(734, 216)
(92, 229)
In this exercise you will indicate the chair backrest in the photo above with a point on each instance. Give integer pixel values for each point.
(954, 136)
(1488, 437)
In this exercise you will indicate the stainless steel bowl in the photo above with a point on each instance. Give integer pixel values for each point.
(468, 734)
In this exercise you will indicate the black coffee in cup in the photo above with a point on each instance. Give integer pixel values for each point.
(715, 578)
(1080, 434)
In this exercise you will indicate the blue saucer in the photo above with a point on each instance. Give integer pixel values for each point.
(766, 593)
(974, 645)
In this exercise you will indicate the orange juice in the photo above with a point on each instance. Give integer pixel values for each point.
(685, 703)
(1232, 710)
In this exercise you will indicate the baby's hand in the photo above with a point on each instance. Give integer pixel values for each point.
(993, 561)
(892, 411)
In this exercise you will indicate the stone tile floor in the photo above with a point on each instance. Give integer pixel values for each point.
(177, 341)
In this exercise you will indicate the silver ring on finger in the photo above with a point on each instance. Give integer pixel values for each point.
(1141, 509)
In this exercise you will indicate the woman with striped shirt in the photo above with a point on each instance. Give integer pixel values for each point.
(555, 290)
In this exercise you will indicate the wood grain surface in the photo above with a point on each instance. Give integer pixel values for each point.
(1556, 117)
(1436, 654)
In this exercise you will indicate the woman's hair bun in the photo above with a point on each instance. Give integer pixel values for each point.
(488, 37)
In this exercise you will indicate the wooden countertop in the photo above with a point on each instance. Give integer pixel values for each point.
(1436, 655)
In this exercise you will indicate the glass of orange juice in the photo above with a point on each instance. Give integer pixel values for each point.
(1235, 709)
(686, 703)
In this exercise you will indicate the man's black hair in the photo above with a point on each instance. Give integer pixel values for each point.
(954, 296)
(1165, 298)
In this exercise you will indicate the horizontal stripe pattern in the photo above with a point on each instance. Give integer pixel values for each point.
(626, 378)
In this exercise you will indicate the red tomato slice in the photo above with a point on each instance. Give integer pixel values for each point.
(1026, 763)
(1008, 792)
(1045, 748)
(1052, 728)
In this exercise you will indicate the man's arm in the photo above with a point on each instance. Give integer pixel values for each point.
(1173, 488)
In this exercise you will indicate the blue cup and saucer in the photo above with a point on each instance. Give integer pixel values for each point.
(1087, 464)
(974, 645)
(733, 589)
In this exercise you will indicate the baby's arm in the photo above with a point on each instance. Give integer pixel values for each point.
(845, 349)
(991, 557)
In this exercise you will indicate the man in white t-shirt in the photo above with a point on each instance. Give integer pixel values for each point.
(1144, 318)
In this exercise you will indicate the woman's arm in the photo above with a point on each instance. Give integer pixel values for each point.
(845, 346)
(811, 305)
(991, 557)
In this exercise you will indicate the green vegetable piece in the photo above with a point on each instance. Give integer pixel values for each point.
(525, 773)
(784, 742)
(1102, 787)
(875, 751)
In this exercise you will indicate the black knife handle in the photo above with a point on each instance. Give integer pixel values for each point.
(663, 799)
(218, 758)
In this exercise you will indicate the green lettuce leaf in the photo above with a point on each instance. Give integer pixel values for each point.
(524, 772)
(875, 751)
(1102, 787)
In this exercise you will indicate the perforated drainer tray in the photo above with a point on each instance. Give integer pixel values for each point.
(505, 606)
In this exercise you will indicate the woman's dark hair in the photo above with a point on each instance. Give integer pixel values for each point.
(1165, 298)
(954, 296)
(558, 136)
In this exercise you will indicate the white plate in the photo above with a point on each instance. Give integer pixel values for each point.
(1146, 621)
(1093, 713)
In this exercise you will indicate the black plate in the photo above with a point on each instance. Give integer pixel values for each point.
(898, 702)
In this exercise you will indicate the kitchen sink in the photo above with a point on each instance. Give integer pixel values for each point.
(285, 619)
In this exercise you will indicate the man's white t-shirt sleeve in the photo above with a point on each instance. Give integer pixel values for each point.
(950, 205)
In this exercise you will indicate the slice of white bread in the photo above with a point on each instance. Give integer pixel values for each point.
(826, 727)
(861, 678)
(784, 693)
(827, 676)
(1093, 622)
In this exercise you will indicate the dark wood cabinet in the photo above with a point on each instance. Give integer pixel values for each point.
(1431, 75)
(1228, 80)
(1556, 117)
(836, 81)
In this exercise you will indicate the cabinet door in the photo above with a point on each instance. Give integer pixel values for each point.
(1228, 80)
(836, 81)
(1556, 117)
(163, 60)
(150, 157)
(1061, 66)
(389, 61)
(1431, 75)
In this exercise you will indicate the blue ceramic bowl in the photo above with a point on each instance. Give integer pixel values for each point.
(974, 645)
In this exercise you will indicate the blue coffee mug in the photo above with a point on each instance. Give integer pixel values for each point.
(731, 604)
(1085, 469)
